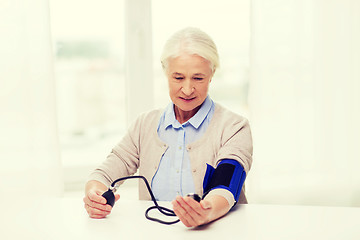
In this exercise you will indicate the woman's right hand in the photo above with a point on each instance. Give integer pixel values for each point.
(94, 203)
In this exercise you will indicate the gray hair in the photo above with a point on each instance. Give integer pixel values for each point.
(191, 41)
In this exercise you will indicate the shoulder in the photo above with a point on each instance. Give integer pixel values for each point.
(150, 116)
(144, 124)
(225, 117)
(148, 119)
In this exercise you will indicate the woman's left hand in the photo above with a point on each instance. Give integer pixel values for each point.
(192, 213)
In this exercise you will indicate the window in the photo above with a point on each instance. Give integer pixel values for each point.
(88, 40)
(89, 73)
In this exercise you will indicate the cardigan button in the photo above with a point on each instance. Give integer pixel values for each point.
(194, 170)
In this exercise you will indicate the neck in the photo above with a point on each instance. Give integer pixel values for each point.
(183, 116)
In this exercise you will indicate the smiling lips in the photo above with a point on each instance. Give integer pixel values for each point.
(187, 99)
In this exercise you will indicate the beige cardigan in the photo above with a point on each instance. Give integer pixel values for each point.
(228, 136)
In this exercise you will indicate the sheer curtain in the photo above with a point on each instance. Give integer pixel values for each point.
(304, 101)
(29, 152)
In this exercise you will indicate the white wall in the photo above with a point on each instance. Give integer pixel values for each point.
(305, 102)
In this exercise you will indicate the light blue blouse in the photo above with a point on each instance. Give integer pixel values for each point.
(174, 176)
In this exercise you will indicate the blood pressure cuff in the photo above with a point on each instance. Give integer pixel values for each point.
(229, 175)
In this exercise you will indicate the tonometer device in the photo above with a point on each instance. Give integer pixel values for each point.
(110, 198)
(229, 174)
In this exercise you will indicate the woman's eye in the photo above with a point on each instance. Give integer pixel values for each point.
(198, 79)
(179, 78)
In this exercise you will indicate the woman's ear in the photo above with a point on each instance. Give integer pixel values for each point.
(210, 79)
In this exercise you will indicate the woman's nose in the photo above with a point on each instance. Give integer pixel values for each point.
(187, 88)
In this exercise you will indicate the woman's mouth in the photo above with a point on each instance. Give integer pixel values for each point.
(187, 99)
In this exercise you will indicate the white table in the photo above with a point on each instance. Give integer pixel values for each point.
(65, 218)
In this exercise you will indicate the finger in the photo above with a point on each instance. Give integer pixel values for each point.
(117, 197)
(180, 212)
(190, 206)
(96, 213)
(96, 197)
(97, 205)
(201, 209)
(95, 210)
(194, 205)
(198, 215)
(93, 204)
(205, 204)
(188, 213)
(97, 216)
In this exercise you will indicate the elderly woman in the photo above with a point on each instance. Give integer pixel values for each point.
(172, 147)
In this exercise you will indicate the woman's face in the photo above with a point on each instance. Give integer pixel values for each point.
(189, 77)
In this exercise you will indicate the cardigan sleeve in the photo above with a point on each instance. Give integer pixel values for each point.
(236, 142)
(123, 159)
